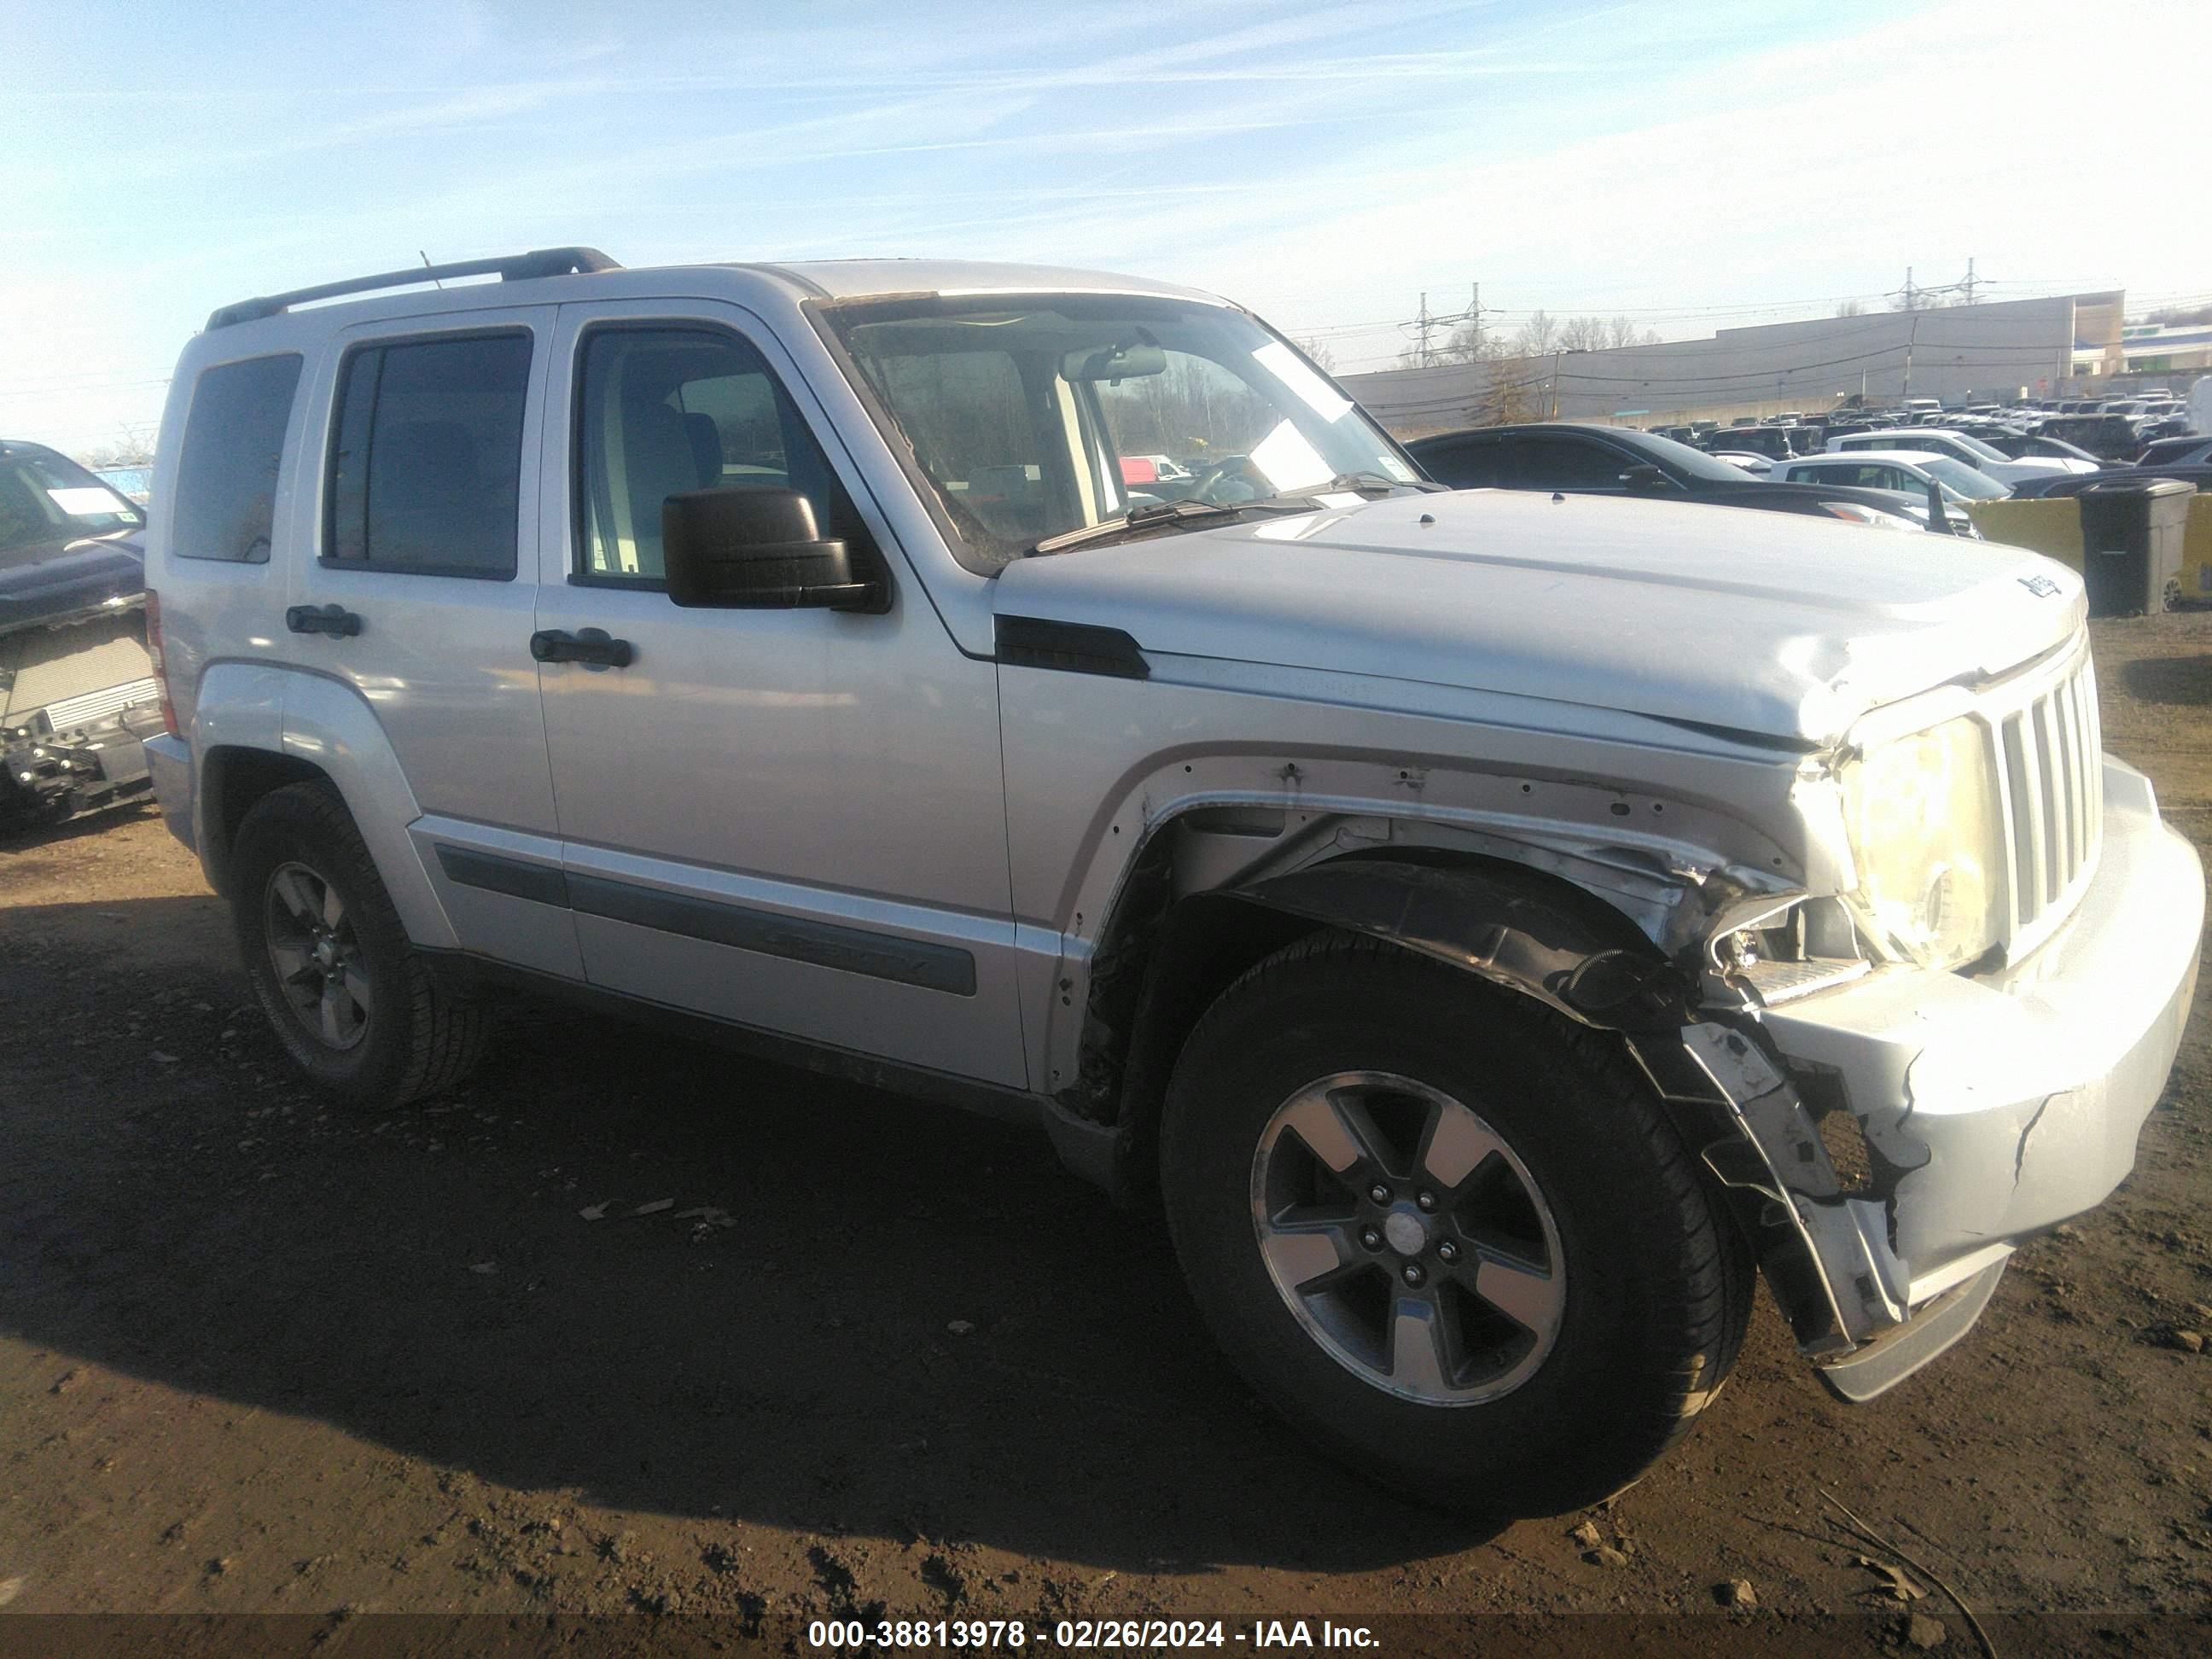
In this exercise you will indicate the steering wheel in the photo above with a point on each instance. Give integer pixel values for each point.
(1237, 471)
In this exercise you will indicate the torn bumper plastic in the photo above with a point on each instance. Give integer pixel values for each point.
(1993, 1107)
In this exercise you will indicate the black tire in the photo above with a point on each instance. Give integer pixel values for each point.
(412, 1038)
(1656, 1285)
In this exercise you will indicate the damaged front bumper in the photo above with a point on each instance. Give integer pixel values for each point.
(1986, 1109)
(45, 776)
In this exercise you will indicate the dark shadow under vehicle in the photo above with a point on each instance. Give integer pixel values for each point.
(878, 1317)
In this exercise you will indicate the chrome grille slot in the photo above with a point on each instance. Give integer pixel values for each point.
(2048, 746)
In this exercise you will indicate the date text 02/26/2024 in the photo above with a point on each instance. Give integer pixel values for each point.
(1104, 1634)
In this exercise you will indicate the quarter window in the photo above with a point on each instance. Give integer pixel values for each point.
(667, 411)
(426, 462)
(233, 444)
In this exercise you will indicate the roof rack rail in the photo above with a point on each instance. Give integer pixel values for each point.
(514, 268)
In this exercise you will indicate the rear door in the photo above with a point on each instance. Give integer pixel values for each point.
(420, 596)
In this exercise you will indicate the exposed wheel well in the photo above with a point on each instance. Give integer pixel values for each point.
(1164, 960)
(232, 780)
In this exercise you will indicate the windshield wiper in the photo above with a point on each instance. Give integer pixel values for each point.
(1363, 482)
(1166, 515)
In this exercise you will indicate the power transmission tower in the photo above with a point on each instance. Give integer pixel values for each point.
(1969, 282)
(1421, 334)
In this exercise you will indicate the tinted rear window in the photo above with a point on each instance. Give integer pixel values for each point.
(426, 462)
(233, 445)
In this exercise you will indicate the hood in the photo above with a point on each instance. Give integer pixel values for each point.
(1765, 623)
(51, 582)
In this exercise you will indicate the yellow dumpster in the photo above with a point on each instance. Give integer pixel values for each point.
(2051, 527)
(2196, 552)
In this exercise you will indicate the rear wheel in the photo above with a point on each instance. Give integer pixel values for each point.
(345, 993)
(1449, 1235)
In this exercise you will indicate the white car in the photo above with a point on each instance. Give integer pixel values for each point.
(1758, 465)
(1909, 470)
(1959, 447)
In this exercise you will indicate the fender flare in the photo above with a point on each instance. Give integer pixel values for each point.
(330, 727)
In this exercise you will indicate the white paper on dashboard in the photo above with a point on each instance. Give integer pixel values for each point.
(1289, 461)
(83, 500)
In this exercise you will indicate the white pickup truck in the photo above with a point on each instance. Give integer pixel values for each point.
(1485, 926)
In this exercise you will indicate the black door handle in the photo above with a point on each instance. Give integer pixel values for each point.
(586, 645)
(333, 619)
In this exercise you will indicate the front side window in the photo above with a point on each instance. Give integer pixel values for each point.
(1032, 415)
(1563, 463)
(664, 411)
(233, 445)
(426, 458)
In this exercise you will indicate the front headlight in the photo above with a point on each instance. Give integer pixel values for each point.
(1926, 832)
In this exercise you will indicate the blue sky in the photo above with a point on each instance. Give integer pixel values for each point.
(1692, 165)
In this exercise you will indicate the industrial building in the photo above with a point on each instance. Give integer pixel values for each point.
(2000, 351)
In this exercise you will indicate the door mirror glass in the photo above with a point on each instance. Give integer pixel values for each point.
(747, 548)
(1645, 477)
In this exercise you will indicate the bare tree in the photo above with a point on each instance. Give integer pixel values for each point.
(132, 447)
(1851, 308)
(1467, 343)
(1324, 359)
(1582, 334)
(1539, 335)
(1508, 397)
(1620, 332)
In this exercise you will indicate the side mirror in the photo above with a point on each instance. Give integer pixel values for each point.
(1939, 515)
(755, 550)
(1644, 475)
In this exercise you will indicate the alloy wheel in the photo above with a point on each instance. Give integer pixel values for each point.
(1407, 1239)
(317, 957)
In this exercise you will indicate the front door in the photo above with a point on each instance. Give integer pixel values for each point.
(792, 819)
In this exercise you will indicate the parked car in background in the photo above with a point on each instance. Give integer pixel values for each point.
(1961, 446)
(2108, 437)
(1571, 458)
(1744, 460)
(77, 691)
(2036, 446)
(1775, 442)
(2193, 450)
(1909, 472)
(2075, 483)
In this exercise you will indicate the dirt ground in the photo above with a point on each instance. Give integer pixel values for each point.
(260, 1356)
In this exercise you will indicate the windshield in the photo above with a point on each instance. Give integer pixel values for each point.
(1976, 447)
(1963, 480)
(45, 497)
(1680, 458)
(1033, 416)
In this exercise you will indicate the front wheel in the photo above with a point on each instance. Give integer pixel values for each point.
(1449, 1235)
(329, 962)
